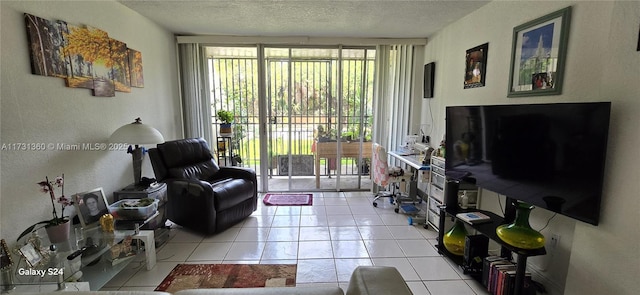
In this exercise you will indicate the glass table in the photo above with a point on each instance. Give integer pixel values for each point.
(105, 255)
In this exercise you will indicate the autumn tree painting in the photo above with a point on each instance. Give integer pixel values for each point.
(81, 74)
(87, 57)
(135, 66)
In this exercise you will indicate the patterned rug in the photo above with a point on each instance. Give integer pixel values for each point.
(202, 276)
(288, 199)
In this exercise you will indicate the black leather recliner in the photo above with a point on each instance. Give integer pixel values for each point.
(201, 195)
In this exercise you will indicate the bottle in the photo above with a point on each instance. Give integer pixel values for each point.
(464, 200)
(441, 149)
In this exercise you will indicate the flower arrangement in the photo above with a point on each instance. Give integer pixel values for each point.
(48, 187)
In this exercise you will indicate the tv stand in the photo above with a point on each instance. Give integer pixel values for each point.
(489, 229)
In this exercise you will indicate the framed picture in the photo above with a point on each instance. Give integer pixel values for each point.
(5, 255)
(91, 206)
(31, 254)
(638, 48)
(538, 55)
(476, 66)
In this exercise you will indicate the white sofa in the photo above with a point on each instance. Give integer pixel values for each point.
(365, 280)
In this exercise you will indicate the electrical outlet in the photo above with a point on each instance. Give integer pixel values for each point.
(555, 239)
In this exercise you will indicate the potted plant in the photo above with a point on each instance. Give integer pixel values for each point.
(226, 118)
(59, 226)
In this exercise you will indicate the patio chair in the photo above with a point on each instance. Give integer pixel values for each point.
(389, 177)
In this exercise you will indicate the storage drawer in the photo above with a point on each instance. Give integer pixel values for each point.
(437, 193)
(437, 170)
(433, 204)
(436, 161)
(433, 218)
(437, 180)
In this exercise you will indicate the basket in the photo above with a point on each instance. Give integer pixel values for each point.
(133, 213)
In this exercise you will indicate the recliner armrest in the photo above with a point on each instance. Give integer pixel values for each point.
(194, 187)
(190, 203)
(235, 172)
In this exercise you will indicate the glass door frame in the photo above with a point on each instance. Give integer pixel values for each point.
(335, 74)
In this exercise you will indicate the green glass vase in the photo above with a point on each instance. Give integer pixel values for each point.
(454, 239)
(519, 233)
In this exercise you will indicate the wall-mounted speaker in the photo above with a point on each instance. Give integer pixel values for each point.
(429, 75)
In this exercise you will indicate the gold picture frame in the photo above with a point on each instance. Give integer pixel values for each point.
(5, 255)
(31, 254)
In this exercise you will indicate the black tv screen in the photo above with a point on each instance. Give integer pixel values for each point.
(548, 155)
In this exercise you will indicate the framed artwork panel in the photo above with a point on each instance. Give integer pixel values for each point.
(538, 55)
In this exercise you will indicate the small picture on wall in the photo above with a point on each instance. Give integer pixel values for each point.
(540, 81)
(638, 49)
(476, 66)
(91, 206)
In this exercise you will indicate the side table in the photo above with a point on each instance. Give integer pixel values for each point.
(154, 191)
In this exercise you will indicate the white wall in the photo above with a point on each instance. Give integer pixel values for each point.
(602, 65)
(39, 109)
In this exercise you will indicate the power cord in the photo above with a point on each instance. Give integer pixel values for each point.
(549, 220)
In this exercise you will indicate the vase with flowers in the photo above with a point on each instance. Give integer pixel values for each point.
(58, 227)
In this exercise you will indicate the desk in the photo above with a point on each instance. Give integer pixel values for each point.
(329, 150)
(416, 166)
(410, 159)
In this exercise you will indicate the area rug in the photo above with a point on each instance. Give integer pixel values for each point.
(288, 199)
(203, 276)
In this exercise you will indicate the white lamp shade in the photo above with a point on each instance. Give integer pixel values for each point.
(136, 133)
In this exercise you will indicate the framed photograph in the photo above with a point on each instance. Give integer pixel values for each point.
(31, 254)
(476, 66)
(638, 48)
(91, 206)
(5, 255)
(538, 55)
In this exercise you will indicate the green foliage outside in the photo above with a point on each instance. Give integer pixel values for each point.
(312, 100)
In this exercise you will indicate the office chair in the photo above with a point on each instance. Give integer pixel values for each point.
(386, 176)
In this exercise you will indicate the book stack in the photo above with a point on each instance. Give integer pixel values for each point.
(499, 277)
(473, 217)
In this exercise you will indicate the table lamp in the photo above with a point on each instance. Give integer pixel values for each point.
(136, 134)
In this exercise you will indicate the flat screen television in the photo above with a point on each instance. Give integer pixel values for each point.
(548, 155)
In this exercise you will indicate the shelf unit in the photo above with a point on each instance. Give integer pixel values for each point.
(154, 191)
(436, 191)
(225, 151)
(488, 229)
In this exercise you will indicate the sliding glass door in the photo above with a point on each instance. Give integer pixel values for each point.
(313, 121)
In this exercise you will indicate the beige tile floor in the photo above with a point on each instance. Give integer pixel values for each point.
(327, 241)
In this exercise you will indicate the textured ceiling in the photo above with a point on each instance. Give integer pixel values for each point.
(318, 18)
